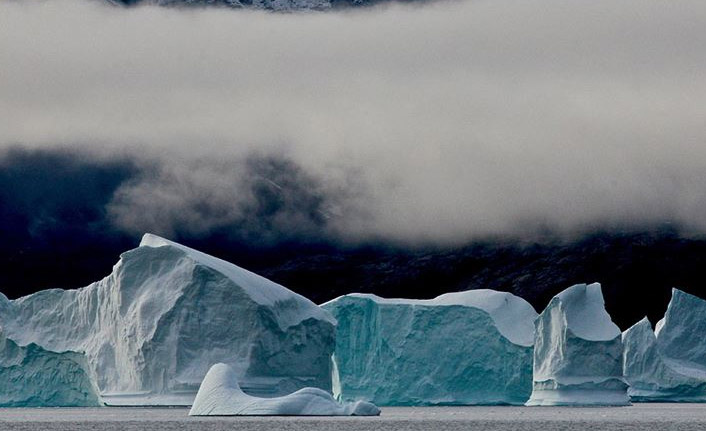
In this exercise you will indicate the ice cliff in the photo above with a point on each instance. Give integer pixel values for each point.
(152, 328)
(578, 352)
(220, 395)
(31, 376)
(669, 365)
(472, 347)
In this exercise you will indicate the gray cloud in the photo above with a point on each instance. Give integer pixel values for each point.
(263, 198)
(441, 122)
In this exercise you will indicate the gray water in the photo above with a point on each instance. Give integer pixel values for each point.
(677, 417)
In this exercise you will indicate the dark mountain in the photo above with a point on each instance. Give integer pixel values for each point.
(55, 233)
(636, 270)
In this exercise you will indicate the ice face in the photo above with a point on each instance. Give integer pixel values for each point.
(668, 367)
(31, 376)
(681, 331)
(154, 326)
(220, 395)
(510, 313)
(464, 348)
(577, 352)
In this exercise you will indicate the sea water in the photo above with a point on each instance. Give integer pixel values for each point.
(677, 417)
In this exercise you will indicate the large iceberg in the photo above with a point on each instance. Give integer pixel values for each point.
(152, 328)
(578, 352)
(220, 395)
(669, 365)
(31, 376)
(472, 347)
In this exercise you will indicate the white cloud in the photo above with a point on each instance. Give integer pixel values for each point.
(454, 119)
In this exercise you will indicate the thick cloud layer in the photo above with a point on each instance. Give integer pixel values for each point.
(443, 122)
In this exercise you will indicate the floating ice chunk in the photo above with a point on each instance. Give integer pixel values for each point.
(155, 325)
(31, 376)
(577, 352)
(220, 395)
(472, 347)
(669, 366)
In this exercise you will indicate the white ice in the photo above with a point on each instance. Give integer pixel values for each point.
(220, 395)
(510, 313)
(472, 347)
(671, 365)
(31, 376)
(153, 327)
(577, 352)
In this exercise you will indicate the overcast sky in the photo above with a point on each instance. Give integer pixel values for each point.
(439, 122)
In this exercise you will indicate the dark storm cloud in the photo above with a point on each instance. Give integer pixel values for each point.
(441, 123)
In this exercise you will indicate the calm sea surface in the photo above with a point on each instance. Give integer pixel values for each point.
(676, 417)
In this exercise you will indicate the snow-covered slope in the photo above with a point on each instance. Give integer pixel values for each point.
(220, 395)
(577, 352)
(154, 326)
(471, 347)
(31, 376)
(671, 365)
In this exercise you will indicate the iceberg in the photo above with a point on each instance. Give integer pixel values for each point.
(31, 376)
(462, 348)
(220, 395)
(578, 352)
(669, 366)
(680, 334)
(153, 327)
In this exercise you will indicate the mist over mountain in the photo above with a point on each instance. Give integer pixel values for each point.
(60, 229)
